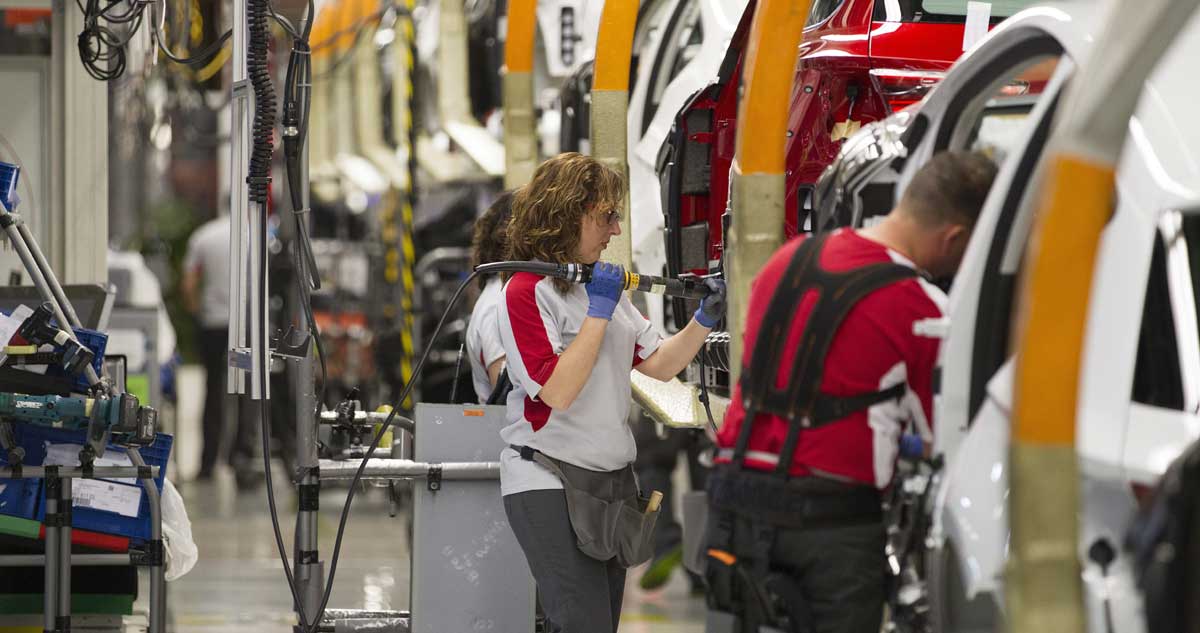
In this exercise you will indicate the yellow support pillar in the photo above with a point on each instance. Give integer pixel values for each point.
(520, 133)
(757, 180)
(610, 103)
(1043, 583)
(323, 173)
(342, 91)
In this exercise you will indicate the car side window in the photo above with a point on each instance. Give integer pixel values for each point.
(680, 44)
(1167, 343)
(821, 10)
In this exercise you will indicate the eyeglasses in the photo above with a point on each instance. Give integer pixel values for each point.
(613, 216)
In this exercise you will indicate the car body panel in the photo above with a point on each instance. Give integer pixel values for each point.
(834, 93)
(1120, 443)
(718, 20)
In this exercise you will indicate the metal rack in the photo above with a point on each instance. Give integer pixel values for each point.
(58, 558)
(58, 480)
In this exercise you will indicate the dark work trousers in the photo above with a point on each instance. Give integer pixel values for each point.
(578, 593)
(216, 403)
(656, 459)
(839, 570)
(230, 422)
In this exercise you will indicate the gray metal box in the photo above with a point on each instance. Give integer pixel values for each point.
(468, 572)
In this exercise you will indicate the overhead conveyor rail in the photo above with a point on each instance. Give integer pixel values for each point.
(610, 105)
(757, 179)
(520, 133)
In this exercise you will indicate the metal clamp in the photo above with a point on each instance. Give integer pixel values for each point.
(153, 556)
(309, 497)
(434, 478)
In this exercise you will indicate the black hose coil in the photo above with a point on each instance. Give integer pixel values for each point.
(258, 69)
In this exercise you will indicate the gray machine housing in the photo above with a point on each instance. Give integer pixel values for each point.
(469, 573)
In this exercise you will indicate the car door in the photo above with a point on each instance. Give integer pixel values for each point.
(1000, 99)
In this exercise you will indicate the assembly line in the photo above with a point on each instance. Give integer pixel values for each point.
(583, 316)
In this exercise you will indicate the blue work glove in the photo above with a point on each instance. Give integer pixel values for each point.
(604, 290)
(912, 446)
(712, 307)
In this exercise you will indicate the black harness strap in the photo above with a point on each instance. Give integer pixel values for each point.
(800, 401)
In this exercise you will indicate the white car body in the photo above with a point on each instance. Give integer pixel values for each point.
(566, 39)
(1121, 443)
(665, 81)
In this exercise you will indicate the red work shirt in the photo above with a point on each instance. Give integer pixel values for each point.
(873, 349)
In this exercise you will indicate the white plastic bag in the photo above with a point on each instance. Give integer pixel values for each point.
(181, 552)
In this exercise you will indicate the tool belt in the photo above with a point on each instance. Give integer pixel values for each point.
(608, 515)
(803, 503)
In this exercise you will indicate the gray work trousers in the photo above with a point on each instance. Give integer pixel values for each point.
(579, 594)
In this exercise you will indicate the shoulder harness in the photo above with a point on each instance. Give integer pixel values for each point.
(801, 402)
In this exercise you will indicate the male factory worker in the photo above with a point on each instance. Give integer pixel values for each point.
(833, 374)
(205, 288)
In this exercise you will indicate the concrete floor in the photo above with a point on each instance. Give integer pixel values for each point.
(238, 582)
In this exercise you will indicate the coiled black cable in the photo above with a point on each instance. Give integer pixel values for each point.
(258, 13)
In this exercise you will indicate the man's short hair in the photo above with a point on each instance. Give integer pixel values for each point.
(950, 188)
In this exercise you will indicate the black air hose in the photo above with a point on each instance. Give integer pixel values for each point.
(258, 68)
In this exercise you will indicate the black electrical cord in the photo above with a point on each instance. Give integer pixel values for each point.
(263, 129)
(200, 58)
(462, 346)
(357, 31)
(297, 90)
(387, 424)
(704, 391)
(285, 23)
(102, 50)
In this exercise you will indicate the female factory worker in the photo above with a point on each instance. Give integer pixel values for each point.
(484, 351)
(570, 349)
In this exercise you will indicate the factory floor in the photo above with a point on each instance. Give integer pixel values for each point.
(238, 583)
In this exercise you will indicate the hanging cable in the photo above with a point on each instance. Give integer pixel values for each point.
(102, 50)
(259, 72)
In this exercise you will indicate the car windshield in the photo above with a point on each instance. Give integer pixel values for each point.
(942, 10)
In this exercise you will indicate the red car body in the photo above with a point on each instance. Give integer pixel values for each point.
(854, 67)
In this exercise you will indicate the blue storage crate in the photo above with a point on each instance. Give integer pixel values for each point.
(19, 497)
(34, 439)
(93, 340)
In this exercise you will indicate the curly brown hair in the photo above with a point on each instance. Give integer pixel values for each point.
(490, 242)
(548, 212)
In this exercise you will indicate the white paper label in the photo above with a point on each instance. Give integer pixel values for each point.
(658, 289)
(68, 455)
(979, 15)
(99, 494)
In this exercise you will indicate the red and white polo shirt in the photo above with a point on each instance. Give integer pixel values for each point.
(874, 349)
(537, 323)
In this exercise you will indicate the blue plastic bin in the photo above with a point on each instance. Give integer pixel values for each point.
(9, 175)
(93, 340)
(34, 438)
(19, 497)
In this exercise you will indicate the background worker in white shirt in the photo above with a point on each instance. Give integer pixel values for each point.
(485, 353)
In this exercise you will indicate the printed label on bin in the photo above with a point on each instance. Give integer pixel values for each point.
(68, 455)
(107, 496)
